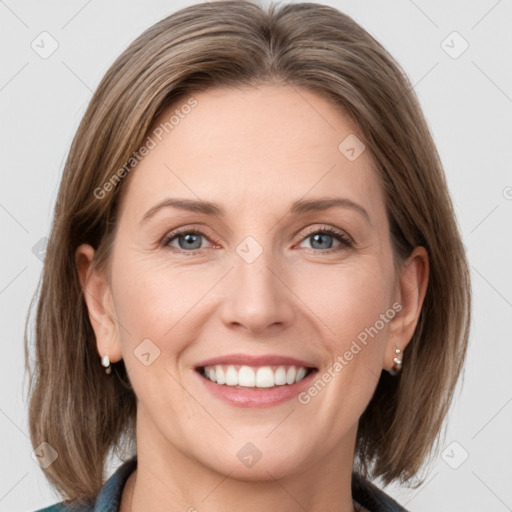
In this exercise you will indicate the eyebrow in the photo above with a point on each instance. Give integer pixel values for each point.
(299, 207)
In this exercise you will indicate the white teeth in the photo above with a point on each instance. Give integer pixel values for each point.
(231, 376)
(220, 375)
(261, 377)
(265, 377)
(280, 376)
(300, 374)
(246, 377)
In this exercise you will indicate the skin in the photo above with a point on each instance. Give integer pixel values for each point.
(295, 299)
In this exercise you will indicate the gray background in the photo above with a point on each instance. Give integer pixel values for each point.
(468, 103)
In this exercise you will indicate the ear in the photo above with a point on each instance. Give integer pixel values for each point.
(98, 297)
(410, 292)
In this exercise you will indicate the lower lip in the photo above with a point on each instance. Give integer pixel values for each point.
(256, 397)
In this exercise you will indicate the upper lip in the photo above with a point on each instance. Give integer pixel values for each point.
(249, 360)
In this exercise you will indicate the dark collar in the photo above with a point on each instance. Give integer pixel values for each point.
(363, 491)
(371, 497)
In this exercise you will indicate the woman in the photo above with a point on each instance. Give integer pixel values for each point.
(187, 305)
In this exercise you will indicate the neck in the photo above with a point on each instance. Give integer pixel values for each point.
(166, 477)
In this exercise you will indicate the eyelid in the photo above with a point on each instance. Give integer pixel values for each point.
(189, 228)
(346, 241)
(331, 230)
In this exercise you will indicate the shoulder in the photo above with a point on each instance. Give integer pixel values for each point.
(371, 497)
(109, 497)
(66, 507)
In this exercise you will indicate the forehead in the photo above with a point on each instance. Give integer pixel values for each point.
(252, 147)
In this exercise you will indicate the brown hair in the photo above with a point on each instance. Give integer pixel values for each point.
(84, 414)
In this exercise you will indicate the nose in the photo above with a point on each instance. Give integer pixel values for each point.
(258, 299)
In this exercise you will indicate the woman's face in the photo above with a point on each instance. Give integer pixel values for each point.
(258, 276)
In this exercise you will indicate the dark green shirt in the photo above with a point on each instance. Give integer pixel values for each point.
(364, 493)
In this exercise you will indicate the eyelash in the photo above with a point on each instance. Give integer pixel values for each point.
(345, 240)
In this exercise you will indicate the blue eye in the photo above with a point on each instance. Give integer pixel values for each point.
(189, 240)
(323, 236)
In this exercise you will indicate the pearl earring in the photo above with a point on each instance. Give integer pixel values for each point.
(105, 362)
(397, 362)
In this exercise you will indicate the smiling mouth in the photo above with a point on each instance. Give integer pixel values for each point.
(255, 378)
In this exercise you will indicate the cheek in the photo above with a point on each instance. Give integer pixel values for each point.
(154, 307)
(347, 299)
(153, 296)
(152, 302)
(348, 302)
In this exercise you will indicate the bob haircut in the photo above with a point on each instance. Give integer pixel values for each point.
(84, 414)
